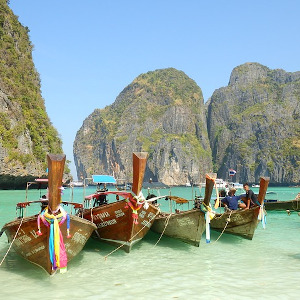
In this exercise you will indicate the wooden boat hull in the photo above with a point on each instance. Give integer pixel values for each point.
(115, 223)
(187, 226)
(292, 205)
(35, 248)
(242, 222)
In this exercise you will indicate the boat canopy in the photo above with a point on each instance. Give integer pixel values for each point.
(103, 179)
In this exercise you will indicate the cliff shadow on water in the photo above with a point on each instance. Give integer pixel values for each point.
(10, 182)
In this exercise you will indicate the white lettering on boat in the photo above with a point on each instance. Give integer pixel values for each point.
(70, 251)
(239, 218)
(101, 215)
(151, 215)
(142, 214)
(119, 213)
(79, 238)
(21, 232)
(107, 223)
(33, 233)
(185, 221)
(22, 240)
(146, 223)
(35, 250)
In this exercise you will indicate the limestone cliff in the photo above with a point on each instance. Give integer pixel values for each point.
(161, 112)
(254, 125)
(26, 133)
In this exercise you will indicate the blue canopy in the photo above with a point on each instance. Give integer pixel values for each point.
(103, 179)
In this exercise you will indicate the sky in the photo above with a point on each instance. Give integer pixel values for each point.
(87, 52)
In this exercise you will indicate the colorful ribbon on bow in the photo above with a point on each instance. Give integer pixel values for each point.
(262, 216)
(57, 251)
(209, 215)
(135, 207)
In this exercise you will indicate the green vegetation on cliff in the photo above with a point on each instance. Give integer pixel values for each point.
(161, 112)
(254, 126)
(20, 83)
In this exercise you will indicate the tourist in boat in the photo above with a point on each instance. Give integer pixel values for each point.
(232, 201)
(99, 189)
(100, 199)
(150, 196)
(222, 193)
(251, 199)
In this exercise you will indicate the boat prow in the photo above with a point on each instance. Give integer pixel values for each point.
(241, 222)
(187, 226)
(35, 248)
(51, 238)
(124, 222)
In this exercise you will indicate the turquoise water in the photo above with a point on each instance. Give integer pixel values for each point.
(268, 267)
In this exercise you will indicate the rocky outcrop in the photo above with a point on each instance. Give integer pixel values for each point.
(26, 133)
(161, 112)
(254, 125)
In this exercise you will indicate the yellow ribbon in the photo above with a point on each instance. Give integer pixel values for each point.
(218, 198)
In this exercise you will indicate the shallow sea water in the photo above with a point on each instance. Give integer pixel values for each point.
(268, 267)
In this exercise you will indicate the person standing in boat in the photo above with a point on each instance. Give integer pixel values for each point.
(100, 199)
(251, 199)
(232, 201)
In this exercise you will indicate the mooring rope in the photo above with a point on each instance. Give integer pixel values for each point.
(92, 216)
(166, 224)
(12, 241)
(105, 257)
(228, 220)
(219, 217)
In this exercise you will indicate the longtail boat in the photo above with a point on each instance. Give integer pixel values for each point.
(127, 220)
(289, 205)
(242, 222)
(51, 238)
(187, 226)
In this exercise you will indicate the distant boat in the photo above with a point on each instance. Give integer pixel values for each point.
(221, 184)
(76, 184)
(290, 205)
(123, 186)
(51, 238)
(155, 185)
(188, 183)
(235, 185)
(255, 185)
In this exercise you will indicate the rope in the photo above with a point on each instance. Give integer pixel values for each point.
(92, 216)
(218, 203)
(105, 257)
(221, 215)
(166, 224)
(12, 242)
(228, 220)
